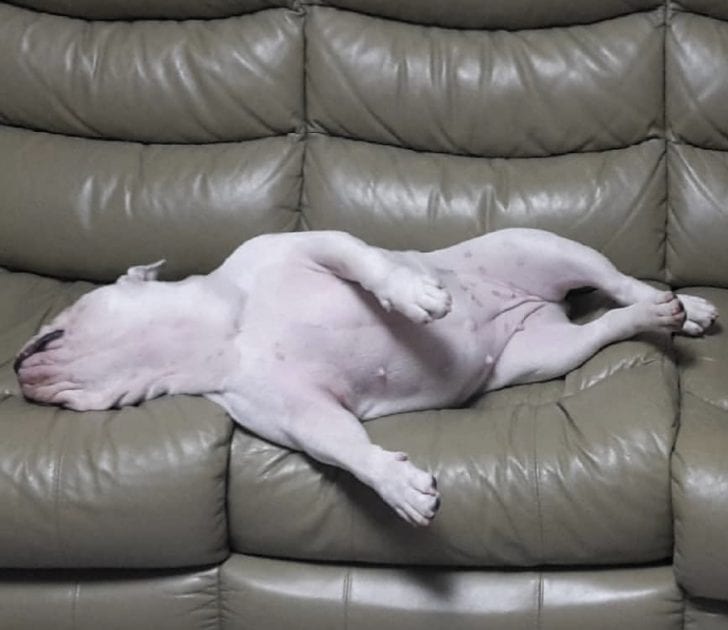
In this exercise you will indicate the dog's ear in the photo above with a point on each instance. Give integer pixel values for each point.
(142, 273)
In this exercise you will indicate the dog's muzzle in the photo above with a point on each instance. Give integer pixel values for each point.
(37, 346)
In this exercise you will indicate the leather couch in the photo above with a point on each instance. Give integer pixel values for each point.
(132, 130)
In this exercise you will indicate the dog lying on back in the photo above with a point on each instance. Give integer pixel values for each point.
(302, 336)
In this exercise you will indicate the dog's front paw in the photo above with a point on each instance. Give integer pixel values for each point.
(410, 492)
(419, 296)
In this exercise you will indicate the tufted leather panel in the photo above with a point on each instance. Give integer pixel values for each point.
(696, 48)
(697, 229)
(183, 82)
(95, 600)
(104, 206)
(270, 595)
(584, 88)
(391, 197)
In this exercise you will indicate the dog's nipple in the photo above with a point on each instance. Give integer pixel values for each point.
(382, 373)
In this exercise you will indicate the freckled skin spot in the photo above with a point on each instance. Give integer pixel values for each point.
(468, 254)
(482, 270)
(520, 261)
(280, 356)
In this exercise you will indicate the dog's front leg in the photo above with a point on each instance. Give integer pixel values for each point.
(319, 426)
(331, 434)
(401, 281)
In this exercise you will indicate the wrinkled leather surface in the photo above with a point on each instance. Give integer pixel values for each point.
(613, 201)
(697, 232)
(273, 594)
(700, 473)
(695, 99)
(190, 82)
(250, 592)
(706, 615)
(109, 600)
(104, 206)
(406, 85)
(137, 488)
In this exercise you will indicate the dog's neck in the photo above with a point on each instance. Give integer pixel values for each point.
(191, 350)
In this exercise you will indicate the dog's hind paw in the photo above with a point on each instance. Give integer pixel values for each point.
(700, 315)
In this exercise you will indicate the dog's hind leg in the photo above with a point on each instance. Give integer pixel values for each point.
(551, 346)
(549, 266)
(545, 264)
(318, 425)
(331, 434)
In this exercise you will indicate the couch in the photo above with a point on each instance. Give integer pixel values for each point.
(132, 130)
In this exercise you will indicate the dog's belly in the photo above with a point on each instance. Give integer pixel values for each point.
(311, 327)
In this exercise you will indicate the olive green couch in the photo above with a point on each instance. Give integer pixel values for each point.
(132, 130)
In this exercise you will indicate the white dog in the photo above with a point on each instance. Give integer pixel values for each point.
(300, 336)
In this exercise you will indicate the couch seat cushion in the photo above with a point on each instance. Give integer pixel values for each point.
(574, 471)
(133, 488)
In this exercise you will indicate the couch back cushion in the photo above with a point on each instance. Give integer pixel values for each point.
(422, 135)
(697, 114)
(127, 141)
(130, 135)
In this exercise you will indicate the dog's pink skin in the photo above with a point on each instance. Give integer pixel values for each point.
(301, 336)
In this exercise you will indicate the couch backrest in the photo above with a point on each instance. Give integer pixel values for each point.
(697, 149)
(412, 124)
(129, 141)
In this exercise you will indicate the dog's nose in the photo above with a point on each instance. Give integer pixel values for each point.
(37, 346)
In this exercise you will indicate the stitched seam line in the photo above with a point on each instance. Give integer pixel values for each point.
(347, 595)
(537, 484)
(57, 499)
(218, 569)
(665, 33)
(539, 610)
(303, 224)
(74, 604)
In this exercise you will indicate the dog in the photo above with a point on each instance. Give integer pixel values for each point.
(302, 336)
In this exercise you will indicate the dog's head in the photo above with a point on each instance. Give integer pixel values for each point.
(86, 357)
